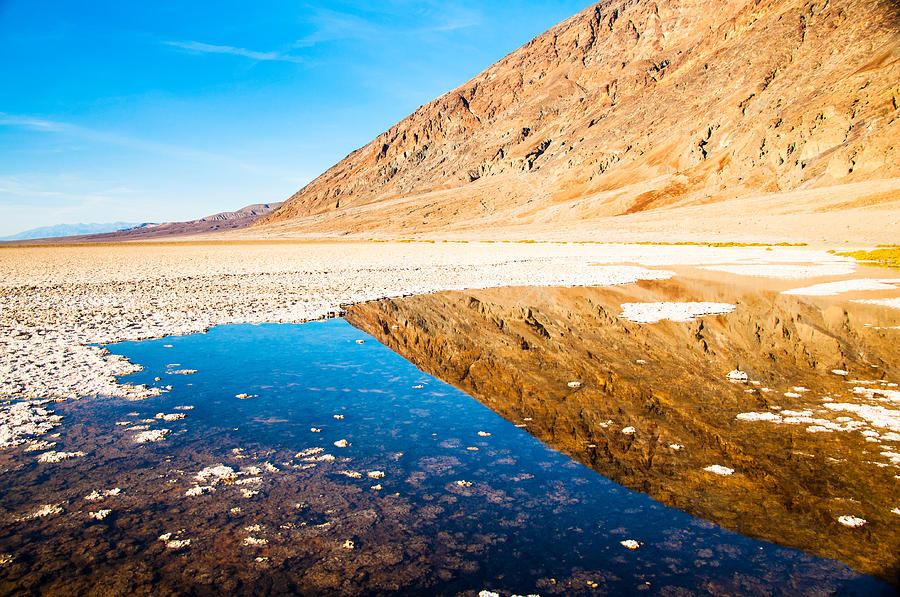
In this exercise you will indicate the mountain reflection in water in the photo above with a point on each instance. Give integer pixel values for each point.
(652, 408)
(301, 461)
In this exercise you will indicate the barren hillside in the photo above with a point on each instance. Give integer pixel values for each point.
(632, 106)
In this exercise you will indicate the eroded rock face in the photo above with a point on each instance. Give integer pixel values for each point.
(656, 406)
(631, 106)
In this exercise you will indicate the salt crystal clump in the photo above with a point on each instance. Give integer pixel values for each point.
(249, 493)
(656, 312)
(630, 544)
(58, 456)
(377, 487)
(22, 420)
(199, 490)
(154, 435)
(341, 443)
(351, 474)
(719, 470)
(764, 416)
(840, 372)
(486, 593)
(464, 483)
(484, 434)
(574, 384)
(216, 473)
(676, 446)
(184, 407)
(100, 514)
(176, 544)
(255, 541)
(737, 376)
(170, 417)
(339, 417)
(852, 521)
(40, 445)
(629, 431)
(98, 495)
(46, 510)
(376, 474)
(348, 544)
(315, 430)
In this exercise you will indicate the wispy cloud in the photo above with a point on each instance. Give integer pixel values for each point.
(204, 48)
(333, 25)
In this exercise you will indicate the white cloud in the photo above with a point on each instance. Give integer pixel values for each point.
(204, 48)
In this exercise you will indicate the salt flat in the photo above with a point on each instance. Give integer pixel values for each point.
(57, 301)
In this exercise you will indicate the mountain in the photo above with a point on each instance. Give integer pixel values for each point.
(633, 106)
(221, 222)
(69, 230)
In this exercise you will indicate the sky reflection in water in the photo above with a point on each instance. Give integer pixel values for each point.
(457, 511)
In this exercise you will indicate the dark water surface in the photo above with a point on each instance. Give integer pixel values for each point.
(457, 511)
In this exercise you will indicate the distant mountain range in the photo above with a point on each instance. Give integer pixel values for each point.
(122, 231)
(70, 230)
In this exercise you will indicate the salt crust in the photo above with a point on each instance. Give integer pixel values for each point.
(893, 303)
(852, 521)
(48, 324)
(655, 312)
(718, 469)
(20, 421)
(784, 271)
(833, 288)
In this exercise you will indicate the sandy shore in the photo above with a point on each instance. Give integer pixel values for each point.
(55, 302)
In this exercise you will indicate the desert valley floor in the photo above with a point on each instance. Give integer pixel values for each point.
(751, 386)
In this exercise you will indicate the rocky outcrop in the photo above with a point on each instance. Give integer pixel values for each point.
(652, 407)
(632, 106)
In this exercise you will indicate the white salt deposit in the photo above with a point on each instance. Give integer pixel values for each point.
(833, 288)
(255, 541)
(100, 514)
(376, 474)
(176, 544)
(630, 544)
(763, 416)
(851, 521)
(341, 443)
(574, 384)
(58, 456)
(737, 376)
(784, 271)
(199, 490)
(484, 434)
(46, 510)
(20, 421)
(153, 435)
(170, 417)
(893, 303)
(840, 372)
(628, 430)
(216, 473)
(718, 469)
(656, 312)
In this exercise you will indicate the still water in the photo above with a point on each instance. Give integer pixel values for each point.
(311, 459)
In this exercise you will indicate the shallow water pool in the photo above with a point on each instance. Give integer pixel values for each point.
(310, 459)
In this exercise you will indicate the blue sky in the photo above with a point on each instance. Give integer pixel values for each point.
(168, 110)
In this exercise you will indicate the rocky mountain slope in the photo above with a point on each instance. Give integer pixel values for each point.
(221, 222)
(632, 106)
